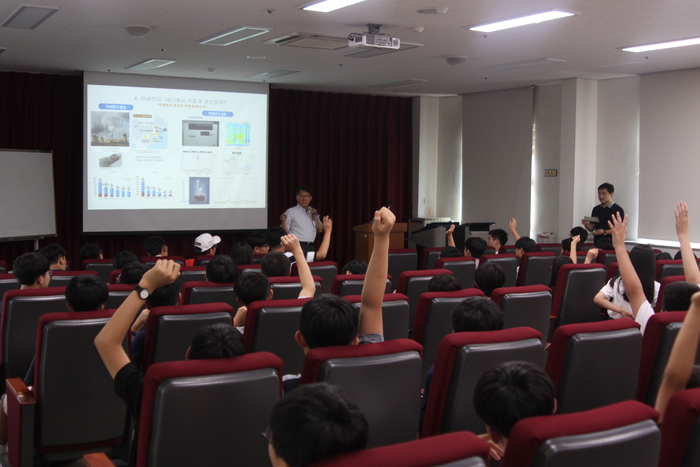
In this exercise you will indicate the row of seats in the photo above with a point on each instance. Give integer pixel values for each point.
(74, 405)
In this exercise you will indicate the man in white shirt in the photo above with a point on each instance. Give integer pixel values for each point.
(302, 220)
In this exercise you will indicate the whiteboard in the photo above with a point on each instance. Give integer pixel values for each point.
(26, 195)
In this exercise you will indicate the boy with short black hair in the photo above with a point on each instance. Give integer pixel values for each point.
(90, 251)
(258, 243)
(444, 283)
(32, 271)
(123, 258)
(155, 246)
(475, 247)
(132, 273)
(221, 269)
(275, 264)
(354, 267)
(508, 393)
(496, 239)
(477, 314)
(314, 422)
(489, 277)
(524, 245)
(56, 256)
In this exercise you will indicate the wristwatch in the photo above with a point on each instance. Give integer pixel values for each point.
(143, 293)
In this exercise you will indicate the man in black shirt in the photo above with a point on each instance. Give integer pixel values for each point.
(604, 212)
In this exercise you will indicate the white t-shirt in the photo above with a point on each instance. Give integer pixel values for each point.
(645, 312)
(617, 292)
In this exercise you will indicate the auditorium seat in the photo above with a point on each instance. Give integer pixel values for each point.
(3, 266)
(150, 261)
(287, 288)
(434, 320)
(61, 278)
(462, 267)
(203, 260)
(605, 257)
(351, 284)
(400, 261)
(103, 267)
(507, 249)
(383, 379)
(114, 275)
(586, 246)
(7, 282)
(664, 282)
(619, 435)
(117, 293)
(553, 247)
(461, 449)
(75, 409)
(412, 284)
(192, 273)
(594, 364)
(535, 268)
(244, 268)
(198, 292)
(509, 263)
(170, 329)
(228, 403)
(659, 335)
(395, 310)
(680, 430)
(461, 360)
(257, 258)
(528, 306)
(326, 270)
(270, 326)
(428, 257)
(21, 310)
(577, 284)
(668, 267)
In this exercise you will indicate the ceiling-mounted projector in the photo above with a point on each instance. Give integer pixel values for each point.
(372, 38)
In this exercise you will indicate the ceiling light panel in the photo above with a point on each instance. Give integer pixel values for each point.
(237, 35)
(273, 73)
(524, 64)
(330, 5)
(28, 16)
(521, 21)
(150, 64)
(402, 82)
(663, 45)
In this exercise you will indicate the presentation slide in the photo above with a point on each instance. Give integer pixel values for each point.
(164, 158)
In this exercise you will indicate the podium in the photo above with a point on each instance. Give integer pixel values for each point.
(364, 239)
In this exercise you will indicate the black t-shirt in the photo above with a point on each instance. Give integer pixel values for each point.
(128, 384)
(605, 214)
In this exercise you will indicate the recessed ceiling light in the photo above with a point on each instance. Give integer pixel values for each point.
(137, 30)
(663, 45)
(236, 35)
(273, 73)
(402, 82)
(524, 64)
(29, 16)
(522, 21)
(433, 11)
(256, 57)
(150, 64)
(330, 5)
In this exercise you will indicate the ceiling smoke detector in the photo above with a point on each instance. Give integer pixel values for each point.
(137, 30)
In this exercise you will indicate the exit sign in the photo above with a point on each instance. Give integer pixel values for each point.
(550, 172)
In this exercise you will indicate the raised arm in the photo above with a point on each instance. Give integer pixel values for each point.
(513, 226)
(109, 340)
(291, 243)
(283, 222)
(377, 270)
(325, 243)
(450, 237)
(591, 255)
(690, 265)
(572, 249)
(316, 218)
(633, 286)
(680, 363)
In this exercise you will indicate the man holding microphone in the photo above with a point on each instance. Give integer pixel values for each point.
(302, 220)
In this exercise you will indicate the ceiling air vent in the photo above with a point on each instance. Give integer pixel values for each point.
(310, 40)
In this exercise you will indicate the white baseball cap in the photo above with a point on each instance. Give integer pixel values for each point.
(205, 242)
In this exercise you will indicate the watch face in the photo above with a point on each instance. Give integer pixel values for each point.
(143, 293)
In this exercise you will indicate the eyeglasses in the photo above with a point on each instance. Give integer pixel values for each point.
(267, 434)
(303, 196)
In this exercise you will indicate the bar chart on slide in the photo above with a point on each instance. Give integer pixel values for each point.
(146, 190)
(103, 188)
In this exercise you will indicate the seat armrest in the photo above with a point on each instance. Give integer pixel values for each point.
(20, 423)
(97, 459)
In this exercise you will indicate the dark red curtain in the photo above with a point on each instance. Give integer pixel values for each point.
(354, 151)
